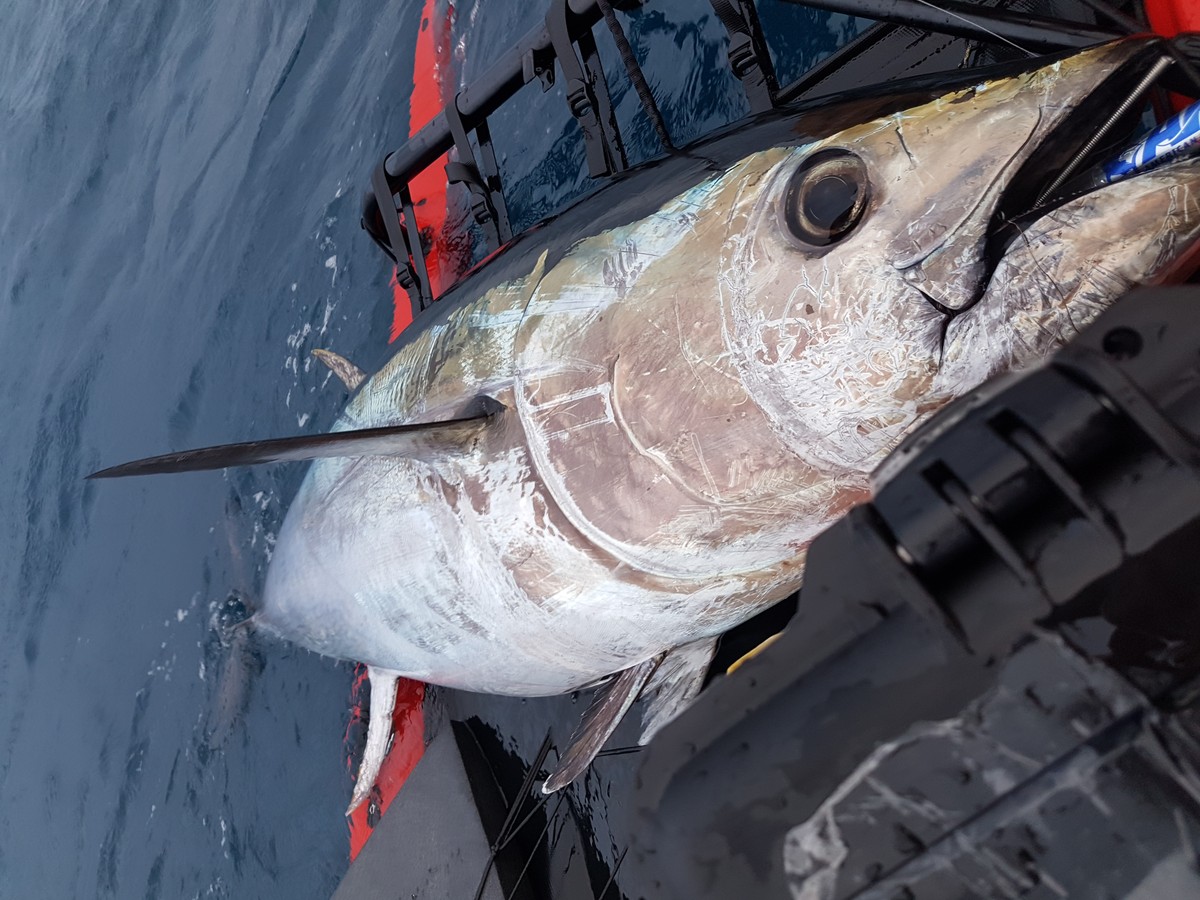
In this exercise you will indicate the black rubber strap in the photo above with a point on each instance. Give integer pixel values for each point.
(605, 112)
(410, 265)
(415, 249)
(465, 171)
(580, 97)
(490, 172)
(748, 54)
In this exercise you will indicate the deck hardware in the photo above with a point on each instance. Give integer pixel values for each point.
(748, 54)
(587, 93)
(482, 178)
(411, 271)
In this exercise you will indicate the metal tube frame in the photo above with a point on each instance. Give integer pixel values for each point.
(567, 35)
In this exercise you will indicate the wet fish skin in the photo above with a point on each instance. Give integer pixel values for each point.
(691, 398)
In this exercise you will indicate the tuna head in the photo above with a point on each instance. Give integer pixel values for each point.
(864, 280)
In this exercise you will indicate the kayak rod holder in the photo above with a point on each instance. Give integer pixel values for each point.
(568, 26)
(399, 236)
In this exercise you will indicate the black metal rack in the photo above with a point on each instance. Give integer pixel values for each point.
(567, 38)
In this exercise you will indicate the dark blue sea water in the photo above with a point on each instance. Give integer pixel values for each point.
(179, 203)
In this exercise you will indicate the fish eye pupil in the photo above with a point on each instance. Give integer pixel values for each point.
(829, 203)
(826, 197)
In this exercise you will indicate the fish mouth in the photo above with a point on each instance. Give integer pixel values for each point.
(1104, 122)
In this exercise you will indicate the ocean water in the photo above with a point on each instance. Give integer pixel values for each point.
(179, 204)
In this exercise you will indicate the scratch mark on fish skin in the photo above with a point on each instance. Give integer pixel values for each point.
(573, 428)
(708, 477)
(904, 145)
(657, 457)
(694, 361)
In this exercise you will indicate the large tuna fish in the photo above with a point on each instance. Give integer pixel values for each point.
(619, 437)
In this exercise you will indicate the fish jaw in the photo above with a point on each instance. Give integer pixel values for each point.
(1068, 266)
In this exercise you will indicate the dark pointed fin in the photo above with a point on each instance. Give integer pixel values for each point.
(599, 722)
(421, 440)
(350, 374)
(379, 733)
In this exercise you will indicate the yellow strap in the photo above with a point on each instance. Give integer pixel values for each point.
(737, 663)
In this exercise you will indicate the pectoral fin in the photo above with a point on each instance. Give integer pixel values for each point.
(602, 718)
(675, 684)
(420, 440)
(379, 732)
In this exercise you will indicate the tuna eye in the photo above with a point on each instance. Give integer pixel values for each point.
(826, 197)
